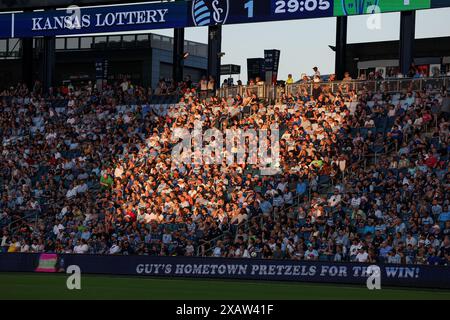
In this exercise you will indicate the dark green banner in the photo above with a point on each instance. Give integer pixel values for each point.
(359, 7)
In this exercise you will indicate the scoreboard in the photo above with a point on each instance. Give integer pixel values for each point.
(246, 11)
(255, 8)
(180, 14)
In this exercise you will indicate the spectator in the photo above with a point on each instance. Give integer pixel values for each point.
(289, 80)
(97, 169)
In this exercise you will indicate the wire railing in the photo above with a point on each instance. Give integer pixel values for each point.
(276, 92)
(14, 225)
(245, 225)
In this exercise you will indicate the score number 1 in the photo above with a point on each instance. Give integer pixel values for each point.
(249, 6)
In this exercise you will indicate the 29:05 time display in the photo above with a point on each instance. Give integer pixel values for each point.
(295, 6)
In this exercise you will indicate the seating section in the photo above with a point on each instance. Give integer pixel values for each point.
(357, 179)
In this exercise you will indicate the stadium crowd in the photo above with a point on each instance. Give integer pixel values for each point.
(364, 176)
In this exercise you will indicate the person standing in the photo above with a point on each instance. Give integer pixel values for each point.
(211, 84)
(316, 72)
(289, 80)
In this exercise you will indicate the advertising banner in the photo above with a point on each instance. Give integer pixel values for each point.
(252, 269)
(180, 14)
(358, 7)
(47, 262)
(255, 68)
(271, 64)
(100, 19)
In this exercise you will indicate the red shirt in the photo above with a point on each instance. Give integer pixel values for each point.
(431, 161)
(131, 215)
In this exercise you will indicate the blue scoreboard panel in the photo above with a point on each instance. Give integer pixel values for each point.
(190, 13)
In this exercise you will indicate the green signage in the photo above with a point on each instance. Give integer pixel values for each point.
(359, 7)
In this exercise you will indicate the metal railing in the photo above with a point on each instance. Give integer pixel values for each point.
(207, 248)
(32, 216)
(245, 225)
(273, 92)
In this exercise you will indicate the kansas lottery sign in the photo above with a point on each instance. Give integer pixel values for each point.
(191, 13)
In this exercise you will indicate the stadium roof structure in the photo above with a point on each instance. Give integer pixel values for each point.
(178, 15)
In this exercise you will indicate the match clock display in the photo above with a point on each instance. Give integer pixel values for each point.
(301, 8)
(245, 11)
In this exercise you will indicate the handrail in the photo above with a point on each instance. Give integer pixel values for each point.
(24, 218)
(2, 220)
(389, 148)
(246, 223)
(389, 85)
(220, 237)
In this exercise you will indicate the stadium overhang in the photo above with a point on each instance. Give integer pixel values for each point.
(78, 19)
(70, 19)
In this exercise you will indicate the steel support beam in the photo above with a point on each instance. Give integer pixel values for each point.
(341, 47)
(27, 62)
(214, 52)
(48, 63)
(407, 36)
(178, 50)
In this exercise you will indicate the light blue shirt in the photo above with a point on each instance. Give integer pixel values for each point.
(266, 206)
(384, 251)
(85, 235)
(301, 188)
(444, 216)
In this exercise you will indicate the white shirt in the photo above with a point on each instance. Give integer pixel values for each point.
(217, 252)
(378, 213)
(270, 193)
(3, 244)
(57, 229)
(118, 172)
(354, 249)
(82, 248)
(246, 254)
(311, 254)
(189, 248)
(281, 186)
(334, 200)
(71, 193)
(77, 189)
(288, 198)
(148, 217)
(362, 257)
(203, 85)
(114, 249)
(124, 86)
(356, 202)
(411, 241)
